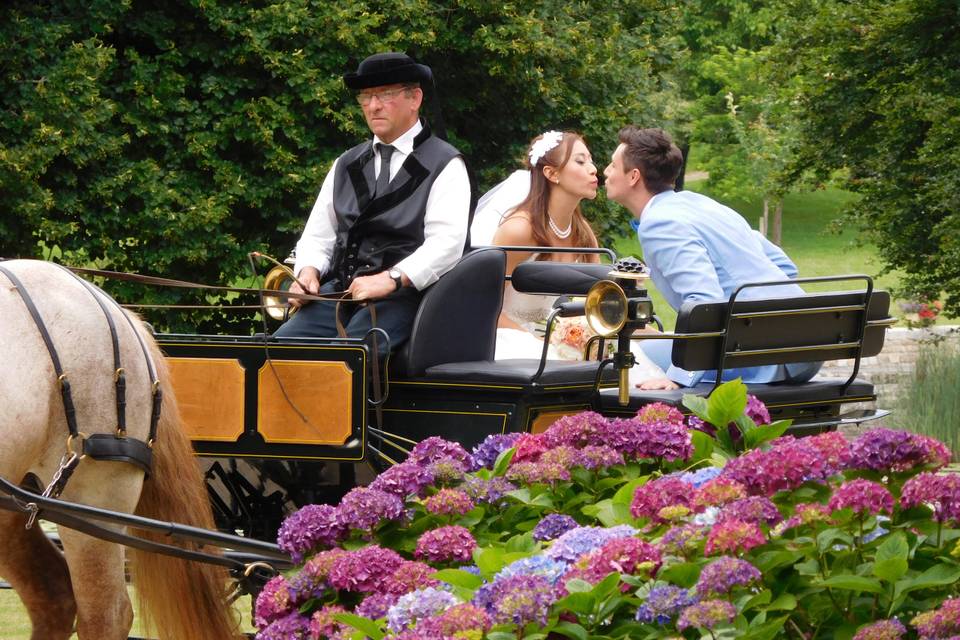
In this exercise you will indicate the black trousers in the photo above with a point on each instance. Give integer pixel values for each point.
(394, 314)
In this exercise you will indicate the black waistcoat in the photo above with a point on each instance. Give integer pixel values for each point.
(375, 234)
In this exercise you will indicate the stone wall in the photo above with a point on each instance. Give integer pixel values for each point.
(893, 369)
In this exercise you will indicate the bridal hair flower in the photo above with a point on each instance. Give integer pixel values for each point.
(547, 142)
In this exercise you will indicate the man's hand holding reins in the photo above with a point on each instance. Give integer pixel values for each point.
(378, 285)
(309, 277)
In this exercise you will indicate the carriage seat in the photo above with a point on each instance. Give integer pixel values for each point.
(809, 328)
(454, 333)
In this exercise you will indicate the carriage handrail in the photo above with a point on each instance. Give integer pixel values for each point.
(72, 515)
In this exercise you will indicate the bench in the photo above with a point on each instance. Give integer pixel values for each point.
(775, 330)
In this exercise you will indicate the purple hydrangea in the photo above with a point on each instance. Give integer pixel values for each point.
(364, 508)
(446, 544)
(553, 526)
(598, 457)
(273, 603)
(890, 450)
(417, 605)
(521, 599)
(650, 498)
(448, 502)
(410, 576)
(490, 491)
(785, 466)
(292, 626)
(376, 605)
(459, 621)
(447, 471)
(939, 623)
(666, 440)
(891, 629)
(539, 472)
(324, 625)
(364, 570)
(707, 615)
(579, 430)
(756, 410)
(683, 540)
(863, 496)
(835, 449)
(402, 480)
(486, 453)
(562, 455)
(723, 574)
(577, 542)
(312, 527)
(659, 413)
(435, 448)
(756, 509)
(306, 585)
(939, 492)
(664, 603)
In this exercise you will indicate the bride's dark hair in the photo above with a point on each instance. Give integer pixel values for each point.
(539, 197)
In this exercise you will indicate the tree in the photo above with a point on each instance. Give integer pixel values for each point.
(174, 136)
(878, 99)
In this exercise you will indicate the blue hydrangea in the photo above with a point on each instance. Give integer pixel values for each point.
(664, 603)
(576, 542)
(701, 477)
(419, 604)
(538, 565)
(553, 526)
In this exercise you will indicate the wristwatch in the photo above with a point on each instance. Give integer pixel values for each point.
(397, 276)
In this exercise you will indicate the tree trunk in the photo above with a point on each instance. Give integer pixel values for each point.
(776, 231)
(765, 218)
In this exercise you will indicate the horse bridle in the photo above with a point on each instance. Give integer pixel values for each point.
(98, 446)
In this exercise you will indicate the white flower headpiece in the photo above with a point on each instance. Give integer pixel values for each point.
(547, 142)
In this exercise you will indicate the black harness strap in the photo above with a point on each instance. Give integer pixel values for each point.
(68, 408)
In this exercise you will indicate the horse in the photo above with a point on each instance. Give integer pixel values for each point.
(83, 588)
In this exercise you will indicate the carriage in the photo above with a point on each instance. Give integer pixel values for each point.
(282, 422)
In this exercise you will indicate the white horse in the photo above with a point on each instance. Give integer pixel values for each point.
(83, 588)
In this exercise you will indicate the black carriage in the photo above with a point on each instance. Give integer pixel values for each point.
(287, 421)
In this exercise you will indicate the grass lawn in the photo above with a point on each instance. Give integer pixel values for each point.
(806, 239)
(15, 624)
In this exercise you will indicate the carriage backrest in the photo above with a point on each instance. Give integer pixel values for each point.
(457, 319)
(806, 328)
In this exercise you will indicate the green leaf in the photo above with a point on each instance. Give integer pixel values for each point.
(578, 602)
(521, 543)
(503, 461)
(702, 445)
(829, 537)
(459, 578)
(684, 574)
(895, 546)
(936, 576)
(571, 630)
(727, 403)
(854, 583)
(624, 494)
(489, 559)
(576, 585)
(891, 569)
(770, 560)
(766, 631)
(764, 434)
(369, 627)
(783, 602)
(697, 405)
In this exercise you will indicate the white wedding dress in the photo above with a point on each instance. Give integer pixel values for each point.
(528, 311)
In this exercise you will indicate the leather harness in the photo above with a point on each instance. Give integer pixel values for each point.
(99, 446)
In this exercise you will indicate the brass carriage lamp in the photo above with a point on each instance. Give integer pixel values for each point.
(618, 307)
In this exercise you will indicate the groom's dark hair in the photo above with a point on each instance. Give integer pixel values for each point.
(653, 152)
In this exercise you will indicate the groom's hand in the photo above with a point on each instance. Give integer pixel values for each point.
(379, 285)
(658, 384)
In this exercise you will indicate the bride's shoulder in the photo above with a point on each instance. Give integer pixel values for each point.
(516, 229)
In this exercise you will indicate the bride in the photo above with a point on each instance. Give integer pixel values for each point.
(540, 207)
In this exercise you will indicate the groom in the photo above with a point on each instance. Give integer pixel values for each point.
(696, 248)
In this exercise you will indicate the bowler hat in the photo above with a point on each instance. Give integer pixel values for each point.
(388, 68)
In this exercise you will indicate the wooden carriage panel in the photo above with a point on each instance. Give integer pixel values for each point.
(321, 391)
(209, 393)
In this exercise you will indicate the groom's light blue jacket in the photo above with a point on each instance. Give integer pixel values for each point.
(698, 249)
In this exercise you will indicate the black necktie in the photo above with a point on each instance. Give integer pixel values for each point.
(383, 180)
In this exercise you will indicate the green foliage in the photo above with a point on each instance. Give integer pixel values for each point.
(930, 403)
(878, 95)
(173, 137)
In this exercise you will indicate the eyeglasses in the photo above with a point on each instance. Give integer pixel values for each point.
(385, 97)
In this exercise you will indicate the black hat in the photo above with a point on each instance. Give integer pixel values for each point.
(388, 68)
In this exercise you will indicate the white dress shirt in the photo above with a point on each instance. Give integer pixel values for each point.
(444, 223)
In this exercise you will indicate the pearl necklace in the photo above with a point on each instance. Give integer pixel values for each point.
(563, 234)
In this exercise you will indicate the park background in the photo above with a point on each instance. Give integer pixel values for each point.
(173, 137)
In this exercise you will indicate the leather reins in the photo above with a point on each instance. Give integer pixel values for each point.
(98, 446)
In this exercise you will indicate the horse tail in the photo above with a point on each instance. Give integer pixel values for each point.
(177, 598)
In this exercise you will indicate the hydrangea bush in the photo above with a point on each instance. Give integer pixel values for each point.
(713, 525)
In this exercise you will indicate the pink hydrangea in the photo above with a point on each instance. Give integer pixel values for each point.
(683, 540)
(410, 576)
(586, 428)
(650, 498)
(449, 502)
(940, 623)
(324, 625)
(446, 544)
(273, 602)
(659, 412)
(757, 509)
(835, 449)
(733, 537)
(863, 496)
(529, 448)
(890, 450)
(459, 621)
(891, 629)
(717, 492)
(364, 570)
(939, 492)
(706, 615)
(538, 472)
(628, 556)
(785, 466)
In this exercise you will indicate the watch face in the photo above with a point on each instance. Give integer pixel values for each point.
(395, 273)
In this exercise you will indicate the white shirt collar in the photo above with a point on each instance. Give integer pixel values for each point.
(404, 144)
